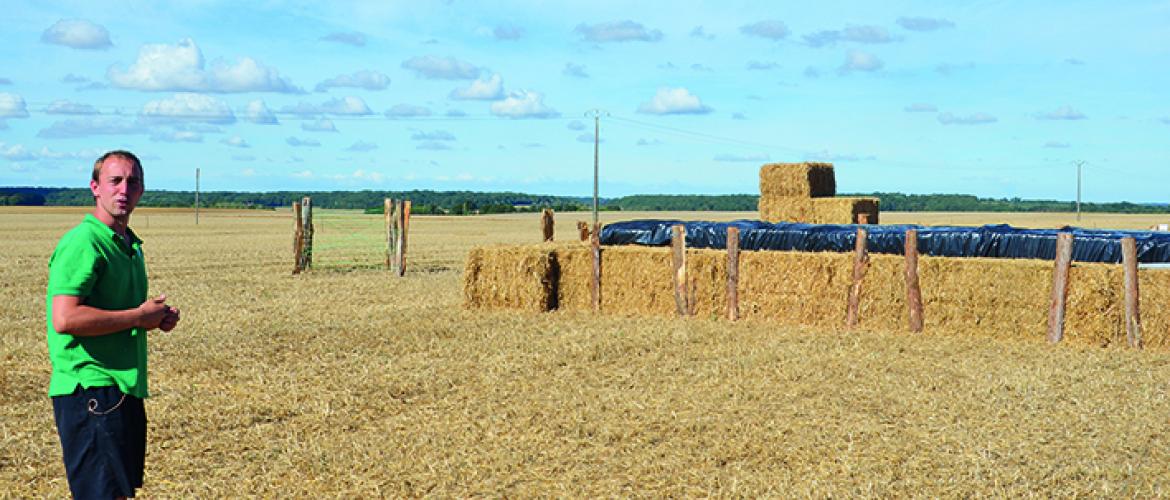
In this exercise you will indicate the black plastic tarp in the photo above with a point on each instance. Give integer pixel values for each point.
(998, 240)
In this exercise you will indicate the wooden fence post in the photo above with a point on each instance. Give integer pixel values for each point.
(298, 237)
(860, 262)
(732, 273)
(403, 225)
(678, 243)
(393, 233)
(1133, 320)
(546, 224)
(583, 230)
(595, 283)
(388, 212)
(305, 258)
(913, 292)
(1064, 244)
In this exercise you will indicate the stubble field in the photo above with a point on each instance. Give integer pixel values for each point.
(347, 381)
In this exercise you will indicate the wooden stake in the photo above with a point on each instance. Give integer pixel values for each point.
(399, 236)
(388, 212)
(583, 230)
(678, 243)
(546, 224)
(298, 237)
(913, 292)
(732, 273)
(394, 220)
(595, 283)
(403, 225)
(1133, 320)
(1064, 245)
(860, 263)
(306, 256)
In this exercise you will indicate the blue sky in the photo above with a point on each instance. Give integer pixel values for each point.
(997, 99)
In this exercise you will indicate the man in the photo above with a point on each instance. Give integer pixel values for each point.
(98, 315)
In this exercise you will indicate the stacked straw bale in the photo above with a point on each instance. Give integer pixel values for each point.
(1003, 298)
(804, 192)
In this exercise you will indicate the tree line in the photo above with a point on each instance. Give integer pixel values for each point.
(474, 202)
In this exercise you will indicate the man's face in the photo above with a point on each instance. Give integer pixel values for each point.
(118, 188)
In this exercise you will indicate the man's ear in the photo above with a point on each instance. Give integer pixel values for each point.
(93, 187)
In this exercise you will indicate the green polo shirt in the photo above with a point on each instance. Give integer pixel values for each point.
(92, 262)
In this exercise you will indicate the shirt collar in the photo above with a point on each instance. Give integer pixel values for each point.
(109, 232)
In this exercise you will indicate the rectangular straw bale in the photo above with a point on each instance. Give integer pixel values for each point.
(818, 210)
(795, 288)
(512, 277)
(800, 180)
(1154, 286)
(637, 280)
(1094, 313)
(1002, 298)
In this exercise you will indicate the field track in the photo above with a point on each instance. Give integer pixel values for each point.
(348, 382)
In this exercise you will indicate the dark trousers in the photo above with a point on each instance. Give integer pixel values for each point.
(103, 441)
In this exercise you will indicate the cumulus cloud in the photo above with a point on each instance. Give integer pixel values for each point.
(924, 23)
(438, 135)
(77, 34)
(508, 32)
(321, 125)
(441, 68)
(365, 79)
(176, 136)
(920, 107)
(180, 67)
(523, 104)
(83, 127)
(354, 38)
(770, 29)
(345, 106)
(362, 146)
(972, 119)
(16, 152)
(1056, 144)
(762, 65)
(12, 106)
(857, 60)
(482, 89)
(186, 106)
(856, 34)
(235, 141)
(64, 107)
(698, 32)
(617, 31)
(1065, 112)
(574, 70)
(755, 157)
(407, 111)
(298, 142)
(257, 112)
(674, 101)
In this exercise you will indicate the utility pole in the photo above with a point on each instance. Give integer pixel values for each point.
(1079, 164)
(596, 113)
(196, 196)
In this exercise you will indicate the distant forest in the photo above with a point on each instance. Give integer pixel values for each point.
(472, 202)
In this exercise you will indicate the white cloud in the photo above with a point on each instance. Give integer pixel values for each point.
(298, 142)
(78, 34)
(489, 89)
(508, 32)
(857, 34)
(1065, 112)
(671, 101)
(257, 112)
(180, 67)
(441, 68)
(64, 107)
(972, 119)
(1056, 144)
(756, 157)
(346, 106)
(321, 125)
(354, 38)
(575, 70)
(186, 106)
(12, 106)
(365, 79)
(924, 23)
(362, 146)
(82, 127)
(16, 152)
(235, 141)
(407, 111)
(176, 136)
(857, 60)
(524, 104)
(617, 31)
(770, 29)
(920, 107)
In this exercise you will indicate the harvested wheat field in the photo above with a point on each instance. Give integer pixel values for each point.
(348, 382)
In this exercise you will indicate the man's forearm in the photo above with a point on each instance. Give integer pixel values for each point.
(89, 321)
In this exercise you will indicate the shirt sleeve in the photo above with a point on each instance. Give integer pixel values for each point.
(73, 269)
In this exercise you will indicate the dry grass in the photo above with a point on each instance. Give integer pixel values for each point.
(346, 381)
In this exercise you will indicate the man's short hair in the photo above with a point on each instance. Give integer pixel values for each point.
(97, 165)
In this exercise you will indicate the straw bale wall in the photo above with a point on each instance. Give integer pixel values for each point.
(797, 180)
(818, 210)
(1003, 298)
